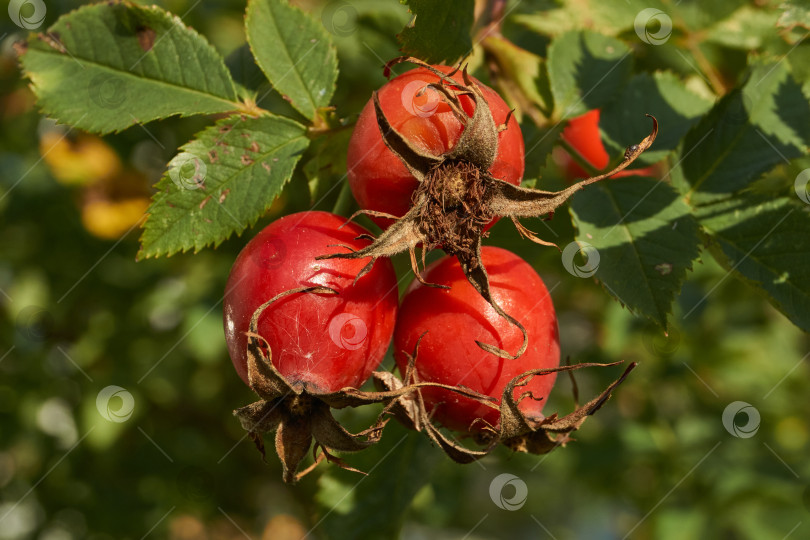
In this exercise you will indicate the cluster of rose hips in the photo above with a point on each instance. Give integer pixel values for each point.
(310, 311)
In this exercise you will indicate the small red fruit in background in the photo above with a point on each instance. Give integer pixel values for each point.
(378, 178)
(323, 342)
(456, 318)
(583, 134)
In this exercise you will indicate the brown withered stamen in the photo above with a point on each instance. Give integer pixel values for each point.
(457, 196)
(451, 207)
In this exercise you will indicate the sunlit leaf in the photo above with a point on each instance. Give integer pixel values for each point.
(645, 240)
(294, 51)
(747, 133)
(221, 182)
(105, 67)
(587, 71)
(662, 95)
(765, 242)
(439, 31)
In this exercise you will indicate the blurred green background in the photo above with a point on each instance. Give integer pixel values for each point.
(79, 315)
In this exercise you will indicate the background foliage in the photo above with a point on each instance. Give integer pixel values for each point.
(725, 215)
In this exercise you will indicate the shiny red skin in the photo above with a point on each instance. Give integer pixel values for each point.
(455, 318)
(379, 180)
(583, 134)
(300, 328)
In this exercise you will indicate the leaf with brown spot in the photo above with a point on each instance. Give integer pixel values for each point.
(146, 38)
(227, 163)
(138, 64)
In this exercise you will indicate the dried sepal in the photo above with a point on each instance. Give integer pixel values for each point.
(507, 200)
(404, 408)
(540, 436)
(263, 378)
(299, 415)
(331, 458)
(454, 449)
(331, 435)
(417, 161)
(293, 439)
(516, 430)
(476, 274)
(457, 196)
(317, 458)
(260, 416)
(410, 409)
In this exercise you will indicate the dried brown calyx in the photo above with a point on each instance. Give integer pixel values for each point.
(298, 416)
(457, 196)
(517, 431)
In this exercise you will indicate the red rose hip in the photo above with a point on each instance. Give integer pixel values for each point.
(378, 178)
(456, 318)
(322, 342)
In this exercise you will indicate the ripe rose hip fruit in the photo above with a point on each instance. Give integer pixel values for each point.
(378, 178)
(457, 195)
(456, 318)
(321, 342)
(583, 134)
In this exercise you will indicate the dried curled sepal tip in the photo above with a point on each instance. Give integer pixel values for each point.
(517, 431)
(457, 196)
(524, 434)
(410, 410)
(298, 415)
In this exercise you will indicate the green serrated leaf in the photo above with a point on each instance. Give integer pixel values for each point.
(105, 67)
(524, 79)
(799, 59)
(646, 240)
(766, 243)
(550, 20)
(794, 23)
(747, 28)
(295, 53)
(698, 15)
(626, 16)
(609, 18)
(587, 71)
(221, 182)
(662, 95)
(794, 13)
(747, 133)
(439, 31)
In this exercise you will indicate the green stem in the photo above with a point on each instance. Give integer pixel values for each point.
(313, 132)
(345, 201)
